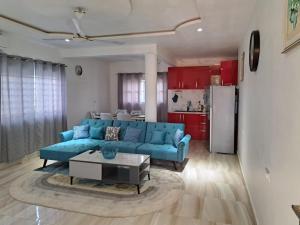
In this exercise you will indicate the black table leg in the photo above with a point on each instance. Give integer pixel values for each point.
(45, 163)
(138, 188)
(149, 175)
(71, 180)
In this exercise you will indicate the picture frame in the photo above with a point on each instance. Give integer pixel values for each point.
(291, 24)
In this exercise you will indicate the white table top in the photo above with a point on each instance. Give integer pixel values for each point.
(125, 159)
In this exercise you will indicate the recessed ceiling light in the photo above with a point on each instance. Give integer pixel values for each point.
(67, 40)
(199, 29)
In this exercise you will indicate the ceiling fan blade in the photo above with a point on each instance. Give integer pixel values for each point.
(54, 39)
(108, 41)
(77, 27)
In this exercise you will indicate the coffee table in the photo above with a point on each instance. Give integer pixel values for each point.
(124, 168)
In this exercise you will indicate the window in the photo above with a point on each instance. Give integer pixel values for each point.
(142, 94)
(32, 105)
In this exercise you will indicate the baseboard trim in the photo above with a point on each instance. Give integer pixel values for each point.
(247, 187)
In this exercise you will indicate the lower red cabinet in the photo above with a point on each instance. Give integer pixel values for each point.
(175, 118)
(195, 124)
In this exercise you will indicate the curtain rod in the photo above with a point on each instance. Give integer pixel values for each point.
(27, 58)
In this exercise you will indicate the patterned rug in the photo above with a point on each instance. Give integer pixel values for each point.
(51, 188)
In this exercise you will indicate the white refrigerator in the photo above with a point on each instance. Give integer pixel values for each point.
(222, 119)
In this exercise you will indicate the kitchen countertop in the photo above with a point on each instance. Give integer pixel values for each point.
(191, 112)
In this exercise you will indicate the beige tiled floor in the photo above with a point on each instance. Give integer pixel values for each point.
(215, 195)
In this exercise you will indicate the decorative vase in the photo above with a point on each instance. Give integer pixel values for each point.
(109, 151)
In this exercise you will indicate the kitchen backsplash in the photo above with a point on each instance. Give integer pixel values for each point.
(180, 100)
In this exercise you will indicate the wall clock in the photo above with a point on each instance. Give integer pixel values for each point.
(254, 50)
(78, 70)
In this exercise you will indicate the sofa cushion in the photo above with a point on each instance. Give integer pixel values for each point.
(97, 133)
(112, 133)
(65, 150)
(125, 146)
(132, 134)
(164, 152)
(97, 123)
(169, 139)
(177, 137)
(81, 132)
(169, 128)
(158, 137)
(133, 124)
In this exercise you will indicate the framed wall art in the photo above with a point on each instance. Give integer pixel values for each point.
(291, 24)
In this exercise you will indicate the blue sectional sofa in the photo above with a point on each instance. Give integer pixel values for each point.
(69, 148)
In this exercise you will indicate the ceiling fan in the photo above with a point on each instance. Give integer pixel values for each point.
(79, 35)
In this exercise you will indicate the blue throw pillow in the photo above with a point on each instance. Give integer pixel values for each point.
(81, 132)
(169, 139)
(177, 137)
(132, 134)
(158, 137)
(97, 133)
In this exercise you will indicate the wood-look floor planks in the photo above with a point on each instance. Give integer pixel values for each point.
(215, 194)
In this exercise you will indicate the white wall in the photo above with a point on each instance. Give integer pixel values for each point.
(22, 46)
(88, 92)
(133, 66)
(269, 124)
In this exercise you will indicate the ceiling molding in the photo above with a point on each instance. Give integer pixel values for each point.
(108, 36)
(148, 33)
(17, 22)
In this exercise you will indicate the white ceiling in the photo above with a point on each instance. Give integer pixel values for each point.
(223, 21)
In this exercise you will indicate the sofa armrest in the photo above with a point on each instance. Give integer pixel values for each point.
(66, 135)
(183, 147)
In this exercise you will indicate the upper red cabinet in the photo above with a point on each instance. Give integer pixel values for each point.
(197, 77)
(174, 78)
(229, 72)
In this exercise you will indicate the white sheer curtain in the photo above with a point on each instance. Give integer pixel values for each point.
(49, 102)
(32, 105)
(131, 91)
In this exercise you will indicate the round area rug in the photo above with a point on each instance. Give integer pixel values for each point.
(94, 198)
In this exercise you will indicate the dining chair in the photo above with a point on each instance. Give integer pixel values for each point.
(106, 116)
(121, 111)
(124, 116)
(136, 112)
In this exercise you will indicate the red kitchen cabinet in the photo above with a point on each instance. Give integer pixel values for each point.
(175, 118)
(174, 78)
(189, 77)
(195, 119)
(195, 124)
(229, 72)
(197, 77)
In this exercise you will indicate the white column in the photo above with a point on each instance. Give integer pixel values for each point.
(151, 87)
